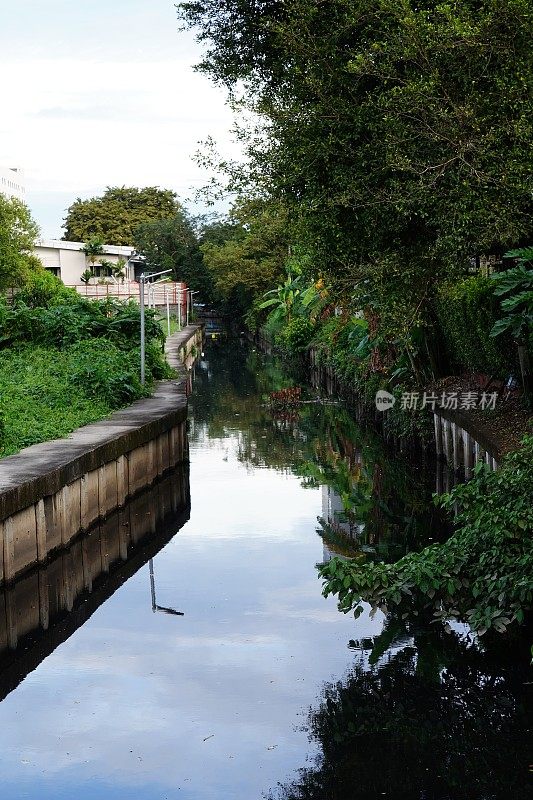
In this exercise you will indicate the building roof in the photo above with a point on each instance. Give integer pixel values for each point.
(60, 244)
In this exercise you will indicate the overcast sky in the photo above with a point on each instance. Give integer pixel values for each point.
(102, 93)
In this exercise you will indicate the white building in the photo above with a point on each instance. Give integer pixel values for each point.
(67, 260)
(12, 183)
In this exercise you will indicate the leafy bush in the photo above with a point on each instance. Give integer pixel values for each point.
(74, 319)
(66, 361)
(295, 336)
(47, 392)
(343, 345)
(44, 289)
(106, 373)
(466, 312)
(483, 574)
(514, 287)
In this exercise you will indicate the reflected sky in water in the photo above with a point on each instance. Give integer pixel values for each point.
(263, 689)
(209, 705)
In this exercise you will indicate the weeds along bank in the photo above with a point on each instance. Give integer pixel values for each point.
(66, 361)
(482, 574)
(471, 353)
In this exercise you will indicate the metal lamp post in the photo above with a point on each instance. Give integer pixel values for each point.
(190, 294)
(142, 281)
(155, 606)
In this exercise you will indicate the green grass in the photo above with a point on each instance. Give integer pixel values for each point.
(46, 392)
(174, 327)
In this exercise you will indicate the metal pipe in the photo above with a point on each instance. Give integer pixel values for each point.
(143, 354)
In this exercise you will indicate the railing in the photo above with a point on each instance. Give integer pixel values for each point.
(155, 294)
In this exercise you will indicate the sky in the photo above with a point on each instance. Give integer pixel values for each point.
(103, 93)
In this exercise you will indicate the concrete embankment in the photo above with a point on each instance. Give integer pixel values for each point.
(51, 492)
(46, 604)
(457, 442)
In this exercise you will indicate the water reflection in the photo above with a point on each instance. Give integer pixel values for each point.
(215, 704)
(374, 502)
(426, 715)
(47, 605)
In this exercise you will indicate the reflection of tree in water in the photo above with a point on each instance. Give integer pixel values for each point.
(386, 504)
(434, 718)
(423, 715)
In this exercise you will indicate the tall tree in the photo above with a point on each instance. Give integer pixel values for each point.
(18, 232)
(115, 216)
(398, 133)
(246, 254)
(172, 244)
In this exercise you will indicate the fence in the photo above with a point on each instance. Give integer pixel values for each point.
(156, 294)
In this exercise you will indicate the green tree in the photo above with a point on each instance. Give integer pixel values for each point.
(115, 216)
(172, 244)
(246, 254)
(398, 135)
(18, 232)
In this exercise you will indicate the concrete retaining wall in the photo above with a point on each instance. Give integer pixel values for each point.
(462, 447)
(50, 492)
(45, 605)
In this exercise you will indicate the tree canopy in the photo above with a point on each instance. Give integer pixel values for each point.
(114, 217)
(246, 253)
(397, 134)
(18, 233)
(173, 244)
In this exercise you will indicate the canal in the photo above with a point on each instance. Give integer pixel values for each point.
(258, 687)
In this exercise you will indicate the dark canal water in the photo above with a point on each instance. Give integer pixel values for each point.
(262, 689)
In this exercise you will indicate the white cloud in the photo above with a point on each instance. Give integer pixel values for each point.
(118, 110)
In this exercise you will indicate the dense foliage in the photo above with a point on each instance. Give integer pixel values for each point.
(115, 216)
(483, 574)
(396, 133)
(66, 361)
(467, 311)
(18, 232)
(73, 320)
(246, 255)
(428, 714)
(173, 244)
(393, 141)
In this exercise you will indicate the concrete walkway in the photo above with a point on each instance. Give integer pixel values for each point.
(177, 343)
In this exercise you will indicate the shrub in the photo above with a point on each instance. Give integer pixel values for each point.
(295, 336)
(74, 319)
(47, 392)
(466, 312)
(104, 372)
(44, 289)
(483, 574)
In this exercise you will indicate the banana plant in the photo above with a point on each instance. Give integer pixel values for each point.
(515, 287)
(284, 297)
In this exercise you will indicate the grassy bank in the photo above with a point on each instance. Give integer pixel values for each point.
(66, 361)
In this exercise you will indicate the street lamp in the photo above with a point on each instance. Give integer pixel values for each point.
(142, 281)
(190, 294)
(155, 607)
